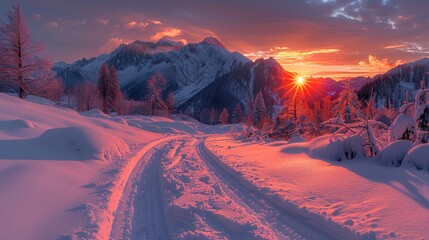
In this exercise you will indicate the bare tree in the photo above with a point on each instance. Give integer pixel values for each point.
(170, 103)
(108, 88)
(22, 64)
(155, 86)
(86, 99)
(123, 105)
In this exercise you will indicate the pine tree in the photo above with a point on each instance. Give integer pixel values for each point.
(224, 116)
(205, 116)
(249, 112)
(347, 104)
(108, 88)
(214, 116)
(22, 64)
(237, 114)
(259, 112)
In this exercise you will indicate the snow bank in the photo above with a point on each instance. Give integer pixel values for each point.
(72, 143)
(296, 139)
(394, 153)
(13, 125)
(369, 200)
(48, 188)
(325, 147)
(418, 157)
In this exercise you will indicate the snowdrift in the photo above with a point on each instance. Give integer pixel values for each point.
(72, 143)
(418, 157)
(360, 197)
(394, 153)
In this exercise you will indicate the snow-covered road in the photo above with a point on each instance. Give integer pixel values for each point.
(179, 189)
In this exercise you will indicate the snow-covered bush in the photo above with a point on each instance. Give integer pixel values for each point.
(234, 132)
(364, 134)
(418, 157)
(326, 147)
(394, 153)
(403, 128)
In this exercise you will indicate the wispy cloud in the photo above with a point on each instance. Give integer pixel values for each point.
(168, 32)
(141, 24)
(285, 53)
(102, 21)
(395, 46)
(37, 17)
(52, 24)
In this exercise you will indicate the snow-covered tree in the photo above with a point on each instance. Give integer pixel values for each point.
(20, 61)
(155, 86)
(108, 88)
(347, 104)
(249, 112)
(421, 114)
(284, 126)
(259, 111)
(224, 116)
(363, 135)
(237, 114)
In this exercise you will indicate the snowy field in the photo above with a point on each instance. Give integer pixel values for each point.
(65, 175)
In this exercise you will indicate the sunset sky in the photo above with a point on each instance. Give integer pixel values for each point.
(336, 38)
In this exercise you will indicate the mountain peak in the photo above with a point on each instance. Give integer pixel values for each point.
(167, 41)
(213, 41)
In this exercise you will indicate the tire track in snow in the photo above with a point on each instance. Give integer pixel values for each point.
(140, 212)
(277, 217)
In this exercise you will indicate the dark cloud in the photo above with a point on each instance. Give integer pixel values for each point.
(385, 29)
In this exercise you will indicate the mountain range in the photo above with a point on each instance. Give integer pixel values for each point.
(203, 75)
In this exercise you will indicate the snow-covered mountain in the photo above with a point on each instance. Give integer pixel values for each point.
(188, 68)
(201, 75)
(393, 87)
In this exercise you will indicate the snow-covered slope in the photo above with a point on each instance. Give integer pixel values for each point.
(392, 87)
(350, 199)
(62, 173)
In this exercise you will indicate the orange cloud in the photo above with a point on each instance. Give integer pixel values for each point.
(285, 53)
(143, 24)
(395, 46)
(379, 65)
(168, 32)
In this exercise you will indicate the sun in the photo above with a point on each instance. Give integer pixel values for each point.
(300, 80)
